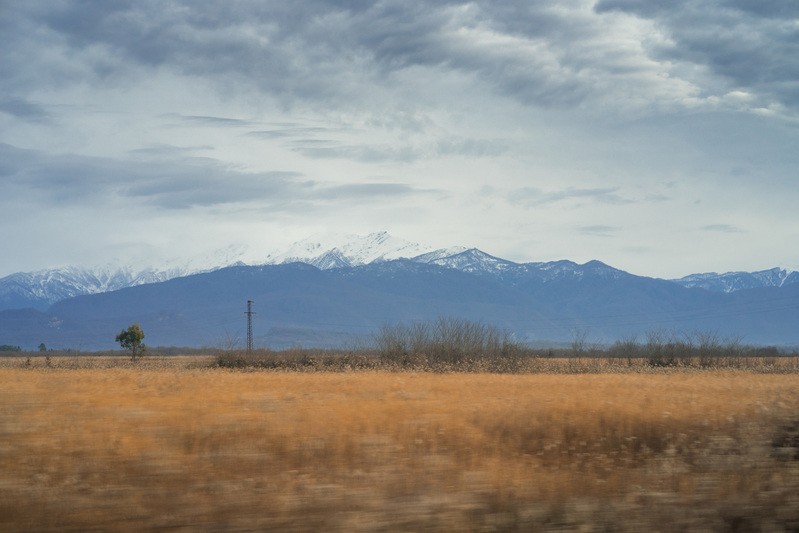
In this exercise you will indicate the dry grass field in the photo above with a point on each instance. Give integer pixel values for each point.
(173, 445)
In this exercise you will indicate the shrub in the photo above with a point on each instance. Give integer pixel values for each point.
(448, 340)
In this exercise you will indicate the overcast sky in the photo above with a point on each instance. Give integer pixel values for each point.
(658, 136)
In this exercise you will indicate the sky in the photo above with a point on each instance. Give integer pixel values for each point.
(658, 136)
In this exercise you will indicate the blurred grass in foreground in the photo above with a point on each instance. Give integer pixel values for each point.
(181, 448)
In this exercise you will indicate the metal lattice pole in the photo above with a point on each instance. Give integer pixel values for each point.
(249, 314)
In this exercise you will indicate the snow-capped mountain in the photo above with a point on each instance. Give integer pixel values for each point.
(344, 250)
(570, 269)
(324, 290)
(475, 261)
(441, 253)
(234, 254)
(735, 281)
(300, 304)
(44, 287)
(40, 289)
(471, 260)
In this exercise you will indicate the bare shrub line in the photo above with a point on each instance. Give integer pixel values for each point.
(453, 345)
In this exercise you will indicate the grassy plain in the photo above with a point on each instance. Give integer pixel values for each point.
(172, 444)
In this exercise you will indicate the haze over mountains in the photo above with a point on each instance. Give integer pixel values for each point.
(329, 292)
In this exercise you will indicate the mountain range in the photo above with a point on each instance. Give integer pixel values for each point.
(319, 293)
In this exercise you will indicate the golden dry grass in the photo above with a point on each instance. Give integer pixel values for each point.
(98, 362)
(181, 448)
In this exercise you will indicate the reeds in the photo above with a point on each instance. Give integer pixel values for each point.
(512, 362)
(200, 449)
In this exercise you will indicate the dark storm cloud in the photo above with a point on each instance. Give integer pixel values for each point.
(321, 52)
(753, 45)
(510, 49)
(291, 49)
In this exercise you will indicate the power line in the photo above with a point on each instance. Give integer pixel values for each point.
(249, 314)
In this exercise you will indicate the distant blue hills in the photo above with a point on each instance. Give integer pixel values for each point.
(298, 304)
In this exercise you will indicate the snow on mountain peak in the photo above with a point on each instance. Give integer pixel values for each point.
(735, 281)
(329, 251)
(474, 260)
(430, 257)
(334, 250)
(45, 287)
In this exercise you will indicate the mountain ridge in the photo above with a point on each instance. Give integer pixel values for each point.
(299, 304)
(739, 280)
(42, 288)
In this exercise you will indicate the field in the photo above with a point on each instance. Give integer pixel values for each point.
(173, 444)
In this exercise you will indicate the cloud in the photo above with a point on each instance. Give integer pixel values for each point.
(398, 152)
(210, 121)
(598, 230)
(621, 53)
(61, 179)
(374, 153)
(346, 114)
(171, 183)
(470, 147)
(160, 150)
(289, 132)
(722, 228)
(23, 109)
(366, 190)
(210, 184)
(534, 197)
(751, 47)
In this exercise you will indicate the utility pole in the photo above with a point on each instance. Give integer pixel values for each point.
(249, 314)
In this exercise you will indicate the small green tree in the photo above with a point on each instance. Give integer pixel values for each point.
(131, 339)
